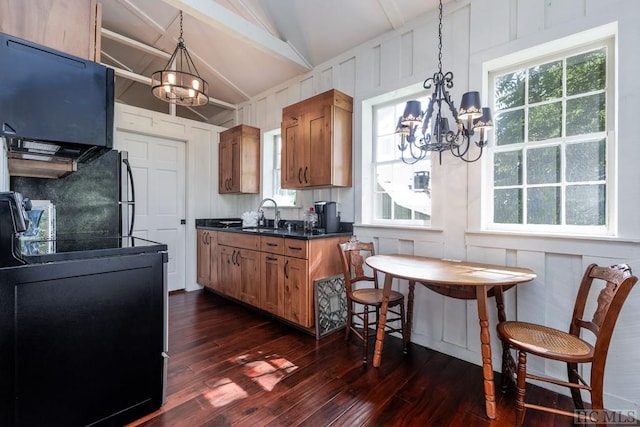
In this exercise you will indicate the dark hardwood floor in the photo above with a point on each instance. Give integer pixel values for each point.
(232, 366)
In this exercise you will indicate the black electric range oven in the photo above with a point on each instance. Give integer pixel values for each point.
(83, 326)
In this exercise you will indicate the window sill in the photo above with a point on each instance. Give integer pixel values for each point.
(400, 227)
(596, 246)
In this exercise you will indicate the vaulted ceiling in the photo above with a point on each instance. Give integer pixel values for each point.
(241, 47)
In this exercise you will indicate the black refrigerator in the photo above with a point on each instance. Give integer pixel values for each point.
(98, 200)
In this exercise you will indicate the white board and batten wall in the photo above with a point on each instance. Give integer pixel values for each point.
(475, 33)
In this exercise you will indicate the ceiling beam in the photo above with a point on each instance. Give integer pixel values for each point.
(393, 13)
(134, 43)
(217, 16)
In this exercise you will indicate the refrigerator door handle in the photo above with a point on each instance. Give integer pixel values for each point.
(132, 201)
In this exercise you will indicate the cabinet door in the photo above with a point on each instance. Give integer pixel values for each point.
(229, 172)
(317, 124)
(204, 258)
(69, 26)
(248, 264)
(272, 283)
(214, 282)
(229, 273)
(293, 153)
(296, 292)
(239, 160)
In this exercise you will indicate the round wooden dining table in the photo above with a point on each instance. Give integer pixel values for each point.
(456, 279)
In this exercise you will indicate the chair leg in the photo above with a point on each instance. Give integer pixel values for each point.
(365, 334)
(521, 385)
(572, 375)
(349, 320)
(403, 325)
(597, 401)
(508, 368)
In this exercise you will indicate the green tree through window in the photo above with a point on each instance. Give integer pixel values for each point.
(550, 151)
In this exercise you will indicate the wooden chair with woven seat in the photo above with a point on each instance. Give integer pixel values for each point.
(353, 255)
(528, 338)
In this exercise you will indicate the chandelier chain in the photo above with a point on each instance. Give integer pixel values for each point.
(440, 39)
(180, 39)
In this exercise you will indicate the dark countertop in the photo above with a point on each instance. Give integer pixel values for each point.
(234, 225)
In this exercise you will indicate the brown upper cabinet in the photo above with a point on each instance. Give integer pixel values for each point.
(317, 142)
(239, 160)
(70, 26)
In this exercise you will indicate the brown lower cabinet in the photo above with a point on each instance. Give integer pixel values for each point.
(207, 271)
(272, 273)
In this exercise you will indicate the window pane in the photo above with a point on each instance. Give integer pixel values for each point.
(507, 168)
(510, 127)
(401, 212)
(422, 216)
(398, 183)
(586, 114)
(507, 206)
(543, 205)
(509, 90)
(383, 206)
(387, 147)
(543, 165)
(386, 120)
(545, 82)
(586, 161)
(587, 72)
(586, 204)
(545, 121)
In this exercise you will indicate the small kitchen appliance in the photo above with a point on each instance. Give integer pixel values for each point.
(13, 220)
(328, 218)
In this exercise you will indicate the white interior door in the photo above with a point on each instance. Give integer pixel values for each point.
(159, 166)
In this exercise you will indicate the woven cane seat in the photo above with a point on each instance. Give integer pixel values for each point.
(546, 341)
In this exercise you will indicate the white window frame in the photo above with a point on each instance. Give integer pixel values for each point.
(269, 170)
(392, 99)
(569, 46)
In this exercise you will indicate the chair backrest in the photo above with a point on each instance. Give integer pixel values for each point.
(616, 281)
(353, 255)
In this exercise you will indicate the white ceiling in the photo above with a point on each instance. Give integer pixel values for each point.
(240, 47)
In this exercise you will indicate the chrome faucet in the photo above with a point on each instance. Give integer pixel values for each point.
(276, 219)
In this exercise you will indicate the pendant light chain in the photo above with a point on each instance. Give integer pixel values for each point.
(440, 39)
(180, 39)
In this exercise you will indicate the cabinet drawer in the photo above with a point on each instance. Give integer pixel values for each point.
(273, 245)
(296, 248)
(239, 240)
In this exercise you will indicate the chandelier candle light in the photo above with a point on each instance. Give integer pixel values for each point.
(179, 83)
(470, 118)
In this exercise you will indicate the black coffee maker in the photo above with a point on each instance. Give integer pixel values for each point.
(13, 220)
(328, 218)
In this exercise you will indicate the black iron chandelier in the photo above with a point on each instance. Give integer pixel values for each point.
(470, 118)
(179, 82)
